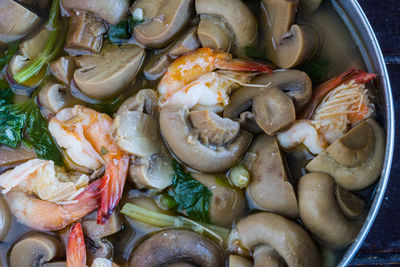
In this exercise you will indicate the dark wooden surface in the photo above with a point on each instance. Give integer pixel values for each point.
(382, 245)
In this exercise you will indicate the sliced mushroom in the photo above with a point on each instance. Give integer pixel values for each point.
(54, 97)
(183, 141)
(163, 20)
(97, 248)
(105, 74)
(213, 33)
(227, 203)
(96, 231)
(85, 33)
(320, 212)
(188, 42)
(176, 246)
(269, 187)
(16, 21)
(288, 44)
(239, 261)
(146, 101)
(237, 16)
(32, 47)
(355, 160)
(272, 109)
(5, 219)
(265, 255)
(156, 66)
(63, 69)
(35, 250)
(110, 11)
(287, 238)
(9, 157)
(351, 205)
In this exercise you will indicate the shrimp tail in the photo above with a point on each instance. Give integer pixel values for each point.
(353, 74)
(76, 249)
(243, 65)
(115, 177)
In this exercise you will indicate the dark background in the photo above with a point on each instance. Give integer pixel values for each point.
(382, 245)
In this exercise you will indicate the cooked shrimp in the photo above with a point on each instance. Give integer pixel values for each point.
(81, 129)
(190, 79)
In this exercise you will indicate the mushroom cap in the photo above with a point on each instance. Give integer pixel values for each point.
(269, 187)
(35, 250)
(155, 32)
(236, 15)
(54, 97)
(107, 73)
(213, 33)
(227, 203)
(183, 141)
(287, 238)
(355, 160)
(63, 69)
(176, 246)
(320, 212)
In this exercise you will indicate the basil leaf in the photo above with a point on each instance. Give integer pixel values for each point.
(122, 31)
(255, 53)
(317, 70)
(192, 197)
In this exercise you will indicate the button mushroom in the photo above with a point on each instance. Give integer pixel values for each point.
(54, 97)
(227, 203)
(96, 231)
(213, 33)
(105, 74)
(110, 11)
(5, 219)
(355, 160)
(287, 238)
(163, 20)
(239, 261)
(269, 187)
(265, 255)
(85, 33)
(237, 16)
(320, 212)
(63, 69)
(16, 21)
(188, 42)
(35, 250)
(288, 44)
(176, 247)
(183, 140)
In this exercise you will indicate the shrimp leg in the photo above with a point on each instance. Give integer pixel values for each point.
(76, 249)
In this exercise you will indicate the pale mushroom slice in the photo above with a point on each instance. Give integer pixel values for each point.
(265, 255)
(163, 20)
(63, 69)
(355, 160)
(97, 231)
(54, 97)
(107, 73)
(213, 33)
(351, 205)
(187, 43)
(239, 261)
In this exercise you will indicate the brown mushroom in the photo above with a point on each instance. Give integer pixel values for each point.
(32, 47)
(265, 255)
(176, 246)
(35, 250)
(237, 16)
(239, 261)
(63, 69)
(288, 44)
(9, 157)
(110, 11)
(351, 205)
(16, 21)
(85, 34)
(162, 20)
(355, 160)
(287, 238)
(96, 231)
(54, 97)
(269, 187)
(320, 212)
(183, 140)
(188, 42)
(227, 203)
(156, 66)
(105, 74)
(213, 33)
(145, 101)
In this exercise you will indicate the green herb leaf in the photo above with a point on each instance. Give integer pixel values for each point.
(12, 49)
(192, 197)
(103, 151)
(255, 53)
(12, 121)
(107, 106)
(317, 70)
(122, 31)
(6, 94)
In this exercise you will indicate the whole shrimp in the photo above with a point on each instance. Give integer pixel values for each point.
(76, 250)
(191, 79)
(85, 135)
(336, 104)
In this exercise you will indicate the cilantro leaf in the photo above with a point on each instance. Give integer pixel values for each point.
(317, 70)
(122, 31)
(191, 197)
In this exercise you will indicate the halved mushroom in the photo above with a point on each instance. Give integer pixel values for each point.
(239, 261)
(9, 157)
(97, 248)
(265, 255)
(35, 250)
(355, 160)
(5, 219)
(272, 109)
(188, 42)
(227, 203)
(96, 231)
(156, 66)
(287, 238)
(320, 212)
(176, 247)
(213, 33)
(269, 187)
(183, 140)
(237, 16)
(105, 74)
(63, 69)
(163, 20)
(288, 44)
(351, 205)
(145, 101)
(110, 11)
(16, 21)
(85, 33)
(54, 97)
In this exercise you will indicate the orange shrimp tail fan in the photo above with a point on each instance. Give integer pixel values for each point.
(76, 249)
